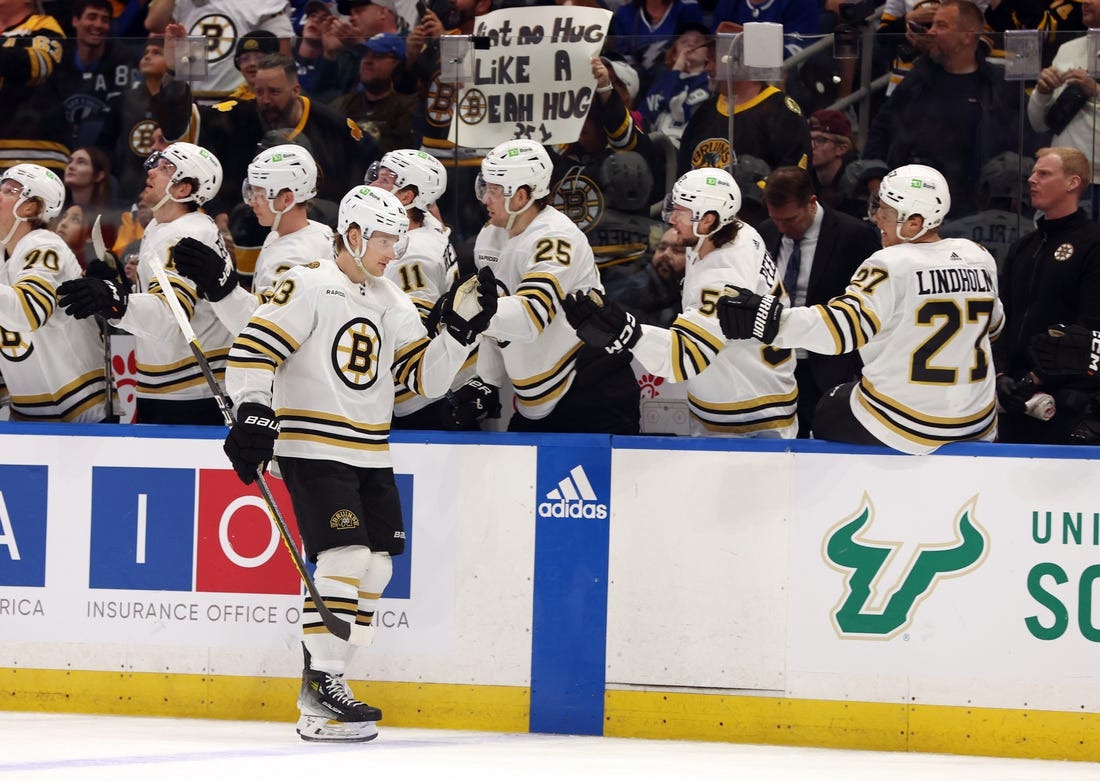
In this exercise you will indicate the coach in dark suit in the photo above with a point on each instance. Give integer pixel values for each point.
(817, 249)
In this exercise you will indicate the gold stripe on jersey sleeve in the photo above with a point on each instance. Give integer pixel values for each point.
(833, 327)
(275, 332)
(537, 379)
(541, 296)
(408, 362)
(532, 313)
(851, 315)
(36, 297)
(547, 394)
(694, 343)
(866, 312)
(186, 298)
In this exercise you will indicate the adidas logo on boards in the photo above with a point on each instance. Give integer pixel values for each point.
(573, 498)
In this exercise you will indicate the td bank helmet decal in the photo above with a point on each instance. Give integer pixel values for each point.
(864, 562)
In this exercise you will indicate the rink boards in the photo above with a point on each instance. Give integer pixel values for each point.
(792, 593)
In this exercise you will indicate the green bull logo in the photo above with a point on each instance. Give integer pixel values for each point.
(865, 560)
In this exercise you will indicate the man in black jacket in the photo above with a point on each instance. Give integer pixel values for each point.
(818, 249)
(952, 111)
(1050, 276)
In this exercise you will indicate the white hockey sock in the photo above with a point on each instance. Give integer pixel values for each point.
(338, 574)
(371, 586)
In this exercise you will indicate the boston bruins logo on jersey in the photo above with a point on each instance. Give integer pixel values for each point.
(220, 34)
(1063, 252)
(440, 99)
(140, 138)
(355, 353)
(13, 346)
(711, 153)
(579, 198)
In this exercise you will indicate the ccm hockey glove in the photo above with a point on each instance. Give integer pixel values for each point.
(89, 296)
(251, 441)
(743, 314)
(1066, 351)
(205, 267)
(600, 322)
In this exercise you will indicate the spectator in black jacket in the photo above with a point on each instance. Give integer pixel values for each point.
(952, 111)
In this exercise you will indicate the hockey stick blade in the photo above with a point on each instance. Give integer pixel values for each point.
(345, 630)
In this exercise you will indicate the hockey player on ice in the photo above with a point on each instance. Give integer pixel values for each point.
(312, 380)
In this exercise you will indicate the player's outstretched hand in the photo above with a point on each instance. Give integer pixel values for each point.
(205, 267)
(1066, 351)
(467, 308)
(472, 403)
(600, 322)
(743, 314)
(89, 296)
(251, 441)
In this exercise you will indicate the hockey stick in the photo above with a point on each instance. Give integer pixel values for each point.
(104, 327)
(345, 630)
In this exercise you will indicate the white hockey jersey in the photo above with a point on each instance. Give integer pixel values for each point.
(52, 363)
(922, 317)
(222, 22)
(324, 352)
(424, 272)
(537, 269)
(735, 388)
(278, 254)
(166, 368)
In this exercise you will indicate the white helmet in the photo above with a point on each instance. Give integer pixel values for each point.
(705, 190)
(284, 167)
(372, 209)
(41, 183)
(916, 189)
(412, 167)
(192, 162)
(514, 164)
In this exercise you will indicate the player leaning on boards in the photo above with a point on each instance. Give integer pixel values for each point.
(281, 182)
(539, 256)
(53, 364)
(734, 389)
(171, 387)
(312, 380)
(425, 272)
(921, 311)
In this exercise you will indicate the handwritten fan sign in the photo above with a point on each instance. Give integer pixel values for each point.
(535, 79)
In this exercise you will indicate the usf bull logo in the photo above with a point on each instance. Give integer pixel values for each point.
(872, 608)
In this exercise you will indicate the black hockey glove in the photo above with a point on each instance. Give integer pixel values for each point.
(251, 441)
(600, 322)
(468, 307)
(107, 268)
(1013, 395)
(1066, 351)
(89, 296)
(743, 314)
(470, 404)
(205, 267)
